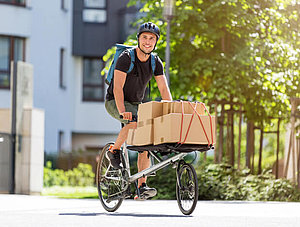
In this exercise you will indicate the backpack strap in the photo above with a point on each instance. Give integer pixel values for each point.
(153, 58)
(132, 58)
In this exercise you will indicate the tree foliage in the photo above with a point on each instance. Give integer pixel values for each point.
(241, 50)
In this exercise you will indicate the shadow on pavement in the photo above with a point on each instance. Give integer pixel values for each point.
(127, 215)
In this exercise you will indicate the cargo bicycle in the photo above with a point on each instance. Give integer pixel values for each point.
(114, 184)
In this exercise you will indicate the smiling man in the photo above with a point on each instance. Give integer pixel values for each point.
(126, 92)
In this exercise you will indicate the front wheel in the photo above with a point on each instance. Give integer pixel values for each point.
(186, 188)
(110, 182)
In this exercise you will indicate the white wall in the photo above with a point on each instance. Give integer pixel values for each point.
(47, 28)
(93, 118)
(4, 98)
(51, 29)
(90, 116)
(19, 17)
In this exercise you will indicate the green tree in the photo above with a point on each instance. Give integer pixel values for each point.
(247, 51)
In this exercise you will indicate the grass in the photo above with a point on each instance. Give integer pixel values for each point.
(68, 192)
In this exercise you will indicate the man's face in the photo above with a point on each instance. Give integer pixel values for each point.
(147, 41)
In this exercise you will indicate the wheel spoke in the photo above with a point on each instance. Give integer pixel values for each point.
(110, 183)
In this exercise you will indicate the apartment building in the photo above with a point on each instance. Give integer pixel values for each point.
(65, 41)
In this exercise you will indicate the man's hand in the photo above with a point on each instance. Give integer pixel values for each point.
(127, 116)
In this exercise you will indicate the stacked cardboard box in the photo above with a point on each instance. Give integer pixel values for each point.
(144, 133)
(174, 127)
(172, 122)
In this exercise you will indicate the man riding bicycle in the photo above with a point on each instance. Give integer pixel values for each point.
(126, 91)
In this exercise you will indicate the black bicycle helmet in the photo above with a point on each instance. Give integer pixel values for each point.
(149, 27)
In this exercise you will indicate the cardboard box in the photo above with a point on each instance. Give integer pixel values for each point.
(167, 129)
(142, 135)
(176, 107)
(150, 110)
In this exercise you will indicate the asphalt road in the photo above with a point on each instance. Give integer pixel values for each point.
(21, 210)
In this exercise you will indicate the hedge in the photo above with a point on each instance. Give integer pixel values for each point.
(215, 182)
(82, 175)
(222, 182)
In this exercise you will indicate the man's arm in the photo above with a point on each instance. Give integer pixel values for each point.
(163, 87)
(119, 81)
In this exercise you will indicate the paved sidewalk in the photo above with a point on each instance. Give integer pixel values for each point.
(21, 210)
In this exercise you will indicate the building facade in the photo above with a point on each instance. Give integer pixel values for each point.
(65, 41)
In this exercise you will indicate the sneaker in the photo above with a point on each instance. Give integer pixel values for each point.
(114, 157)
(145, 192)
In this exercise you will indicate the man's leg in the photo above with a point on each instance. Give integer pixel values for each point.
(114, 154)
(123, 135)
(145, 191)
(143, 163)
(111, 107)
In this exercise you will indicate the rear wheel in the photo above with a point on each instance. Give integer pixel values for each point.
(186, 188)
(110, 182)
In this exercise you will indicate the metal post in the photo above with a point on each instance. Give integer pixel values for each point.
(168, 14)
(13, 126)
(168, 50)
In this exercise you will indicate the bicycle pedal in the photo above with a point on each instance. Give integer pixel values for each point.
(141, 198)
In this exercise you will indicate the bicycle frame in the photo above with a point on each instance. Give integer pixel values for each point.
(161, 164)
(115, 184)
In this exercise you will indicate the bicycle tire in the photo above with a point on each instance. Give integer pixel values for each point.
(186, 188)
(107, 186)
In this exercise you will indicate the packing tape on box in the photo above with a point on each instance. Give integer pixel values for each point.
(167, 107)
(162, 119)
(146, 122)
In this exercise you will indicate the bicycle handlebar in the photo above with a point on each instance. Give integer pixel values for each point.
(134, 118)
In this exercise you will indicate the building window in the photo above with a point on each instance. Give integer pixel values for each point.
(60, 142)
(62, 79)
(94, 11)
(93, 82)
(11, 49)
(63, 5)
(14, 2)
